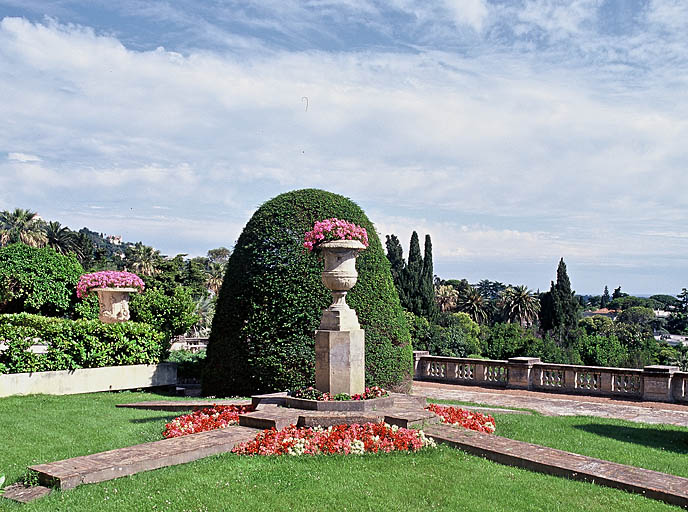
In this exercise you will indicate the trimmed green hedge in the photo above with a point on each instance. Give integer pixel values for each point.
(37, 280)
(76, 344)
(272, 298)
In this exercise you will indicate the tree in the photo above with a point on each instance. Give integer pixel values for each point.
(446, 297)
(427, 290)
(214, 277)
(636, 315)
(518, 304)
(395, 256)
(272, 298)
(605, 297)
(472, 303)
(21, 226)
(559, 308)
(37, 280)
(412, 277)
(618, 293)
(62, 239)
(220, 255)
(142, 259)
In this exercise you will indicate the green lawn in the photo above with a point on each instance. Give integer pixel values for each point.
(44, 428)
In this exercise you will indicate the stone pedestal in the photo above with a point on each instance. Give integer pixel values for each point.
(340, 361)
(519, 372)
(657, 382)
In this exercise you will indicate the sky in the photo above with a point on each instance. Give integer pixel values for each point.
(514, 132)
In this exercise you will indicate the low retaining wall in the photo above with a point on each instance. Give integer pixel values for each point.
(89, 380)
(655, 383)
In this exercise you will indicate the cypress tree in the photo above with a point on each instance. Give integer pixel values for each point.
(605, 297)
(413, 277)
(395, 255)
(559, 307)
(429, 309)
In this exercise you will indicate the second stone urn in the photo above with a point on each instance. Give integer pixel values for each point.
(340, 341)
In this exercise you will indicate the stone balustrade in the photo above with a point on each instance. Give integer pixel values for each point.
(656, 383)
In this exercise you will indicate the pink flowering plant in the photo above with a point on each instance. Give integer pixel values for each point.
(310, 393)
(334, 229)
(107, 279)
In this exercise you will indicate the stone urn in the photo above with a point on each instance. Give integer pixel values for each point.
(339, 276)
(114, 304)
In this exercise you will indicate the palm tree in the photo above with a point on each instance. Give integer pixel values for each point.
(519, 304)
(446, 297)
(472, 303)
(214, 277)
(21, 226)
(62, 239)
(143, 259)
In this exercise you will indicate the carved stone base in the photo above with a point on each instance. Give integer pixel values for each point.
(340, 361)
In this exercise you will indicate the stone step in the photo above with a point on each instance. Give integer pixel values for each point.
(653, 484)
(25, 493)
(180, 405)
(99, 467)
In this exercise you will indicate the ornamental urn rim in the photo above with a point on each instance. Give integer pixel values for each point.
(342, 244)
(114, 289)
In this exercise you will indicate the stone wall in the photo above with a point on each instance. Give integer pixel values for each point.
(655, 383)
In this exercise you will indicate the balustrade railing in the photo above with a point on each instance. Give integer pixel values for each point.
(664, 383)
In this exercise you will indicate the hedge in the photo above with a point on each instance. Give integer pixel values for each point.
(37, 280)
(74, 344)
(272, 299)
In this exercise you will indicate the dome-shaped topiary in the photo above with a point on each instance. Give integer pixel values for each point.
(272, 298)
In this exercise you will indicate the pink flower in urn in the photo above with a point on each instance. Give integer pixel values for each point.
(107, 279)
(334, 229)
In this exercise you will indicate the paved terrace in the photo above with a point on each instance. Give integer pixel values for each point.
(550, 404)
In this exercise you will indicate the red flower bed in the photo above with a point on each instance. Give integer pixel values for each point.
(340, 439)
(217, 416)
(463, 418)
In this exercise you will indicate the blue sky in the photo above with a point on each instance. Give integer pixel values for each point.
(514, 132)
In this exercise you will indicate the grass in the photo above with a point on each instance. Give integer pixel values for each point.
(46, 428)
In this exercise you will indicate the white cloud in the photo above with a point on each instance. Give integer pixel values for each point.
(468, 12)
(23, 157)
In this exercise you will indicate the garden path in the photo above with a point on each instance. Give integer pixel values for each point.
(559, 404)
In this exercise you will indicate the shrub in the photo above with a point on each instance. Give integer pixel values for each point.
(76, 344)
(37, 280)
(172, 314)
(189, 364)
(272, 298)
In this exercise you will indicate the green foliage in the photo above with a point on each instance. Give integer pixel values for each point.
(559, 309)
(456, 337)
(88, 308)
(172, 313)
(37, 280)
(505, 340)
(189, 364)
(427, 289)
(636, 315)
(272, 298)
(667, 301)
(677, 323)
(597, 350)
(73, 344)
(629, 301)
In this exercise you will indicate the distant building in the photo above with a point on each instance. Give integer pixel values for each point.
(114, 239)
